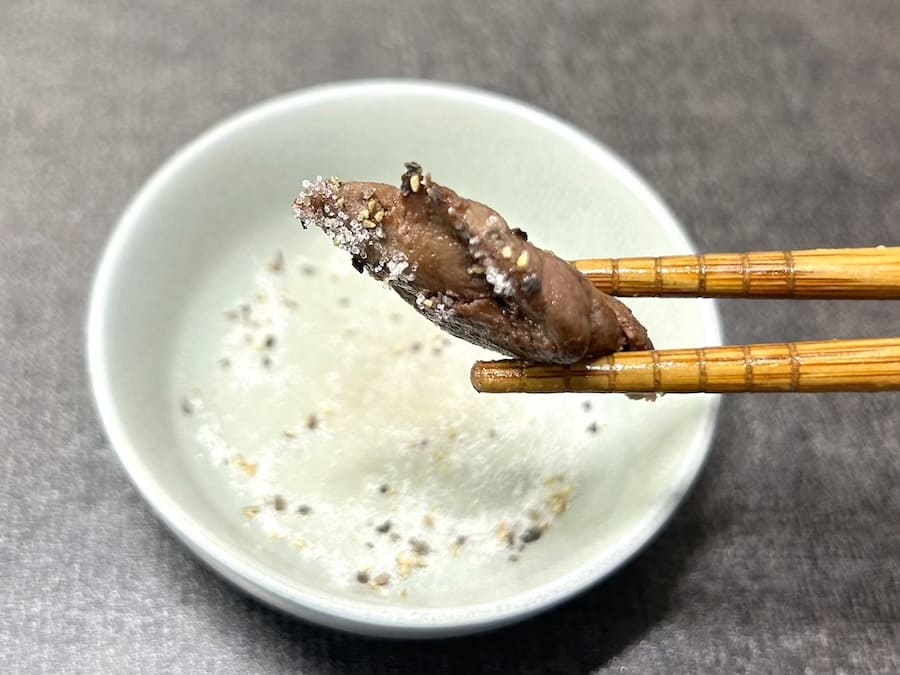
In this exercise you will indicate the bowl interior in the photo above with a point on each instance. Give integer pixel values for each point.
(195, 242)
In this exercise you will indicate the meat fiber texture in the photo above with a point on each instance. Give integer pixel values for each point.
(458, 263)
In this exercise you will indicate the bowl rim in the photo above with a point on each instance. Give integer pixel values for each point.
(358, 616)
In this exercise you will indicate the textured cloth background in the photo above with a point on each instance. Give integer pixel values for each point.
(763, 124)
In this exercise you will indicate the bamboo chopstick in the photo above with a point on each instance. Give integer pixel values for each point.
(831, 365)
(850, 273)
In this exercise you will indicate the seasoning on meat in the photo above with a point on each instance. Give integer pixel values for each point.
(459, 264)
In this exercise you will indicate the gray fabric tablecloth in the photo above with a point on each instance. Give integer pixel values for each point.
(764, 125)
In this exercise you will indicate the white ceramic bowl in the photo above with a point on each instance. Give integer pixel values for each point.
(194, 239)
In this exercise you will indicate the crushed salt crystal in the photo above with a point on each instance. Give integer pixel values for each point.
(498, 279)
(396, 268)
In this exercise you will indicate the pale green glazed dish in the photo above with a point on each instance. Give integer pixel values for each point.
(193, 238)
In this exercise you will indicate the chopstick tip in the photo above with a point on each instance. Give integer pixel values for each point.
(497, 377)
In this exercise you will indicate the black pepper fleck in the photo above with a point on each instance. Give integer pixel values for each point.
(307, 269)
(187, 407)
(531, 534)
(409, 181)
(419, 546)
(225, 363)
(267, 362)
(279, 502)
(312, 422)
(270, 341)
(592, 428)
(384, 527)
(304, 509)
(531, 283)
(383, 488)
(362, 577)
